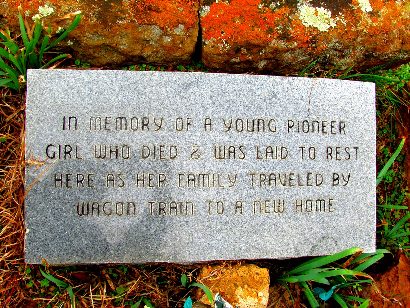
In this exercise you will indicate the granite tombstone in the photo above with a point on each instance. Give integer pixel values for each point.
(134, 167)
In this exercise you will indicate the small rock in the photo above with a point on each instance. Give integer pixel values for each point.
(243, 286)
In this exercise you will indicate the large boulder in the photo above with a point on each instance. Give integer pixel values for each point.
(286, 36)
(114, 32)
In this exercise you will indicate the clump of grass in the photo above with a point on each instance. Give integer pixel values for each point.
(394, 229)
(339, 279)
(390, 84)
(17, 56)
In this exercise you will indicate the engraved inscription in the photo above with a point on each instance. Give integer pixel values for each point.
(270, 179)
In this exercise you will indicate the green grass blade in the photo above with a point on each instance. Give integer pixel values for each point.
(72, 297)
(37, 33)
(59, 57)
(355, 299)
(11, 45)
(372, 260)
(147, 302)
(4, 82)
(398, 225)
(309, 295)
(340, 300)
(407, 233)
(390, 162)
(22, 60)
(3, 37)
(392, 206)
(374, 78)
(11, 58)
(70, 28)
(10, 84)
(321, 277)
(11, 74)
(339, 272)
(308, 277)
(365, 304)
(23, 31)
(367, 255)
(206, 290)
(307, 68)
(59, 283)
(32, 60)
(320, 261)
(43, 47)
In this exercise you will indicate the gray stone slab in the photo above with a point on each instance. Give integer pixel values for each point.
(197, 166)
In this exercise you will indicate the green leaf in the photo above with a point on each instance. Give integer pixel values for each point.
(11, 58)
(184, 280)
(21, 58)
(137, 304)
(71, 295)
(4, 83)
(3, 37)
(372, 260)
(312, 275)
(59, 283)
(23, 31)
(121, 290)
(59, 57)
(355, 298)
(37, 33)
(206, 290)
(44, 283)
(369, 254)
(390, 162)
(320, 261)
(43, 47)
(403, 234)
(11, 45)
(365, 304)
(147, 302)
(33, 61)
(392, 206)
(12, 74)
(321, 277)
(309, 295)
(340, 300)
(398, 225)
(70, 28)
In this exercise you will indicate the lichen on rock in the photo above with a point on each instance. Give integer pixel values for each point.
(292, 34)
(317, 17)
